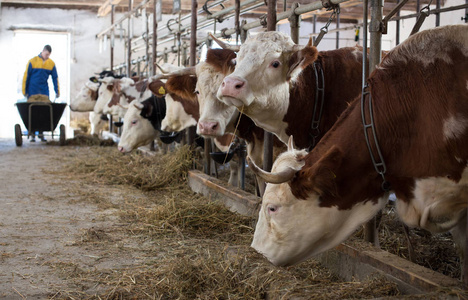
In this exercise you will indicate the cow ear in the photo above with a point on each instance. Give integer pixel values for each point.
(320, 177)
(300, 59)
(158, 88)
(110, 87)
(183, 86)
(147, 109)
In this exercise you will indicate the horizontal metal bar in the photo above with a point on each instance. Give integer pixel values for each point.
(432, 11)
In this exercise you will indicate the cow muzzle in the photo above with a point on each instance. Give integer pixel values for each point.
(233, 91)
(207, 128)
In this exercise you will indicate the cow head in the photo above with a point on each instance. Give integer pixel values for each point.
(181, 103)
(86, 99)
(266, 66)
(137, 129)
(289, 229)
(215, 116)
(104, 94)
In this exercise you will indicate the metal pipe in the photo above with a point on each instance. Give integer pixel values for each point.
(295, 24)
(365, 68)
(127, 15)
(375, 30)
(437, 14)
(112, 40)
(193, 61)
(268, 136)
(398, 27)
(432, 11)
(337, 32)
(129, 41)
(155, 39)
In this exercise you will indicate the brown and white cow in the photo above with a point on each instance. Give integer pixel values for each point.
(275, 84)
(217, 118)
(420, 103)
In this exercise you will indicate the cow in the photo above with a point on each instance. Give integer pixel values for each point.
(200, 85)
(419, 95)
(278, 83)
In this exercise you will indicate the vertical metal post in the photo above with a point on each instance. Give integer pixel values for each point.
(437, 14)
(155, 39)
(268, 137)
(237, 21)
(465, 259)
(375, 30)
(242, 153)
(129, 40)
(193, 60)
(207, 156)
(295, 23)
(398, 27)
(112, 40)
(315, 28)
(337, 33)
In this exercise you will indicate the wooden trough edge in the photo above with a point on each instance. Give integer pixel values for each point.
(359, 260)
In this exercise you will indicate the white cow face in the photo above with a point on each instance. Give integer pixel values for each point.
(105, 94)
(215, 116)
(137, 131)
(266, 65)
(176, 118)
(290, 230)
(85, 100)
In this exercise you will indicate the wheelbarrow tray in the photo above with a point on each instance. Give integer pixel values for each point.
(40, 116)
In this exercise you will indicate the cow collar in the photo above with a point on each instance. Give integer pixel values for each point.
(318, 104)
(379, 165)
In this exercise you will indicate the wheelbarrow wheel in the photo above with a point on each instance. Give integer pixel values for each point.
(62, 135)
(18, 135)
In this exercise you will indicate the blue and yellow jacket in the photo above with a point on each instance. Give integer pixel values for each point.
(36, 75)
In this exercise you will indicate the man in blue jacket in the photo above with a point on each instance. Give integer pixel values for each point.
(35, 86)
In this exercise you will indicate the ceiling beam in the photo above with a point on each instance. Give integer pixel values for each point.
(106, 7)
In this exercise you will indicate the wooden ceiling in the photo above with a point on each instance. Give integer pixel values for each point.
(349, 10)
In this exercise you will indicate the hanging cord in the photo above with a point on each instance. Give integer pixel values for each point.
(234, 134)
(423, 14)
(324, 29)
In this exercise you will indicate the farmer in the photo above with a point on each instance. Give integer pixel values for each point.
(35, 86)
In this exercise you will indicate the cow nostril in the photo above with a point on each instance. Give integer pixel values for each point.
(224, 84)
(239, 85)
(215, 126)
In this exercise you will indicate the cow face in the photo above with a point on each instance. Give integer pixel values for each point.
(85, 100)
(137, 130)
(105, 94)
(266, 66)
(215, 116)
(290, 230)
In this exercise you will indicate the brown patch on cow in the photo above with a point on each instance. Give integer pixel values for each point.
(226, 139)
(93, 94)
(183, 86)
(221, 60)
(110, 87)
(141, 86)
(147, 110)
(190, 107)
(158, 88)
(343, 80)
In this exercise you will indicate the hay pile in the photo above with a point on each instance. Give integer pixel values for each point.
(197, 248)
(84, 140)
(434, 251)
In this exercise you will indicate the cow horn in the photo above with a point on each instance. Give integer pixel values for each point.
(186, 71)
(300, 47)
(275, 178)
(124, 106)
(161, 68)
(223, 45)
(139, 105)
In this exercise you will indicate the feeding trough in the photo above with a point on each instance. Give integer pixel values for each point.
(223, 157)
(170, 137)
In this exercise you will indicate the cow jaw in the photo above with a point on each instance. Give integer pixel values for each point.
(300, 229)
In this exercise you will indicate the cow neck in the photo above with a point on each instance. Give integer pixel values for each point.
(354, 178)
(190, 107)
(342, 75)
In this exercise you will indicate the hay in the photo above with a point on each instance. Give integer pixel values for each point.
(84, 140)
(433, 251)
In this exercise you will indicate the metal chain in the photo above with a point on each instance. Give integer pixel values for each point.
(324, 29)
(423, 14)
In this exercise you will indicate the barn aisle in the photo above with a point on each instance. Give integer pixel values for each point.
(46, 230)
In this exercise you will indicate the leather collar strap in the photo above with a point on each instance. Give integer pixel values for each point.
(318, 104)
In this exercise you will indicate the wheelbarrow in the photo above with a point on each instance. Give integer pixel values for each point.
(40, 116)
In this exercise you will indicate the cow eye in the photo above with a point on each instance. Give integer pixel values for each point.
(197, 92)
(275, 64)
(272, 209)
(134, 122)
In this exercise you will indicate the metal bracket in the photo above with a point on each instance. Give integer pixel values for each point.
(263, 21)
(293, 18)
